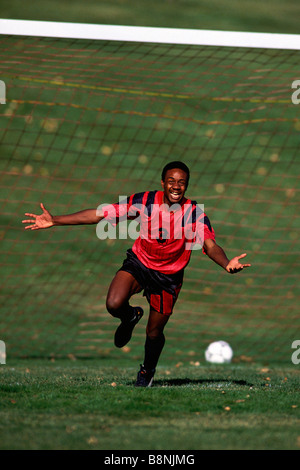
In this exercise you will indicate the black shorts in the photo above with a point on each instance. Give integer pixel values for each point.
(161, 290)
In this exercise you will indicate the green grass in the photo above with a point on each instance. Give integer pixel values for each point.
(94, 405)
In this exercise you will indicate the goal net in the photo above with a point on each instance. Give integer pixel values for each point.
(93, 112)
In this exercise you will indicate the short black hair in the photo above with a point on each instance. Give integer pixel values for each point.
(176, 164)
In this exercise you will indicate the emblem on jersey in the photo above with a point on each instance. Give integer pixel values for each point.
(163, 235)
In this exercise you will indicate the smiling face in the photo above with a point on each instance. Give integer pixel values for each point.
(174, 186)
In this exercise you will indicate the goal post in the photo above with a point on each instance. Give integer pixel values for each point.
(148, 34)
(93, 112)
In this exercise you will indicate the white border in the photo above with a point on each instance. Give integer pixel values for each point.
(149, 34)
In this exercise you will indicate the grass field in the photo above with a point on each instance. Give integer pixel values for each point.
(86, 122)
(92, 405)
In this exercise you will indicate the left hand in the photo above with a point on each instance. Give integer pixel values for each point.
(234, 265)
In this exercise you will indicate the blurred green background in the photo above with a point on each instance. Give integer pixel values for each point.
(86, 121)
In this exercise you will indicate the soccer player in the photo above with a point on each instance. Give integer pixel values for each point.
(171, 227)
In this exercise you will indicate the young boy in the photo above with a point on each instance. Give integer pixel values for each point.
(171, 227)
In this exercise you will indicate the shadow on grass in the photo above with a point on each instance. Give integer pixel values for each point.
(216, 383)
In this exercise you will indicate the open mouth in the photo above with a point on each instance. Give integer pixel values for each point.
(175, 196)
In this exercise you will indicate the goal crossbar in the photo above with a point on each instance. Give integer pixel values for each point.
(149, 34)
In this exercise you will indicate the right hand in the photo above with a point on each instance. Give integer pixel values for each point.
(45, 220)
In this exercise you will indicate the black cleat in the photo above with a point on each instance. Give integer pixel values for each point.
(144, 377)
(124, 331)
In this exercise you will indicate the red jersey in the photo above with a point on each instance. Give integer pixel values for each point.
(168, 235)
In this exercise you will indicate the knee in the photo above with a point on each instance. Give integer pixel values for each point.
(113, 305)
(155, 334)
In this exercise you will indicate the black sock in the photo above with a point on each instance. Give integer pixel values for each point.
(153, 349)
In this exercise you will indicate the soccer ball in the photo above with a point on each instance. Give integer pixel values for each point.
(218, 352)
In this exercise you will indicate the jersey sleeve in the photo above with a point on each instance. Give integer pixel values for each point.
(126, 208)
(197, 225)
(202, 228)
(206, 231)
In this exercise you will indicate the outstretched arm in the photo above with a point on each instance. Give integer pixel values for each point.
(217, 254)
(47, 220)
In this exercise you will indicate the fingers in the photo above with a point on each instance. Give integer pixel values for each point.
(241, 266)
(43, 207)
(235, 270)
(235, 266)
(31, 227)
(238, 268)
(28, 221)
(34, 215)
(243, 256)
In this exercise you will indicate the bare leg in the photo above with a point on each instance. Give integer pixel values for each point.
(122, 287)
(156, 323)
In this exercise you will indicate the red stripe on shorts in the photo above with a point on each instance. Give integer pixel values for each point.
(167, 302)
(155, 302)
